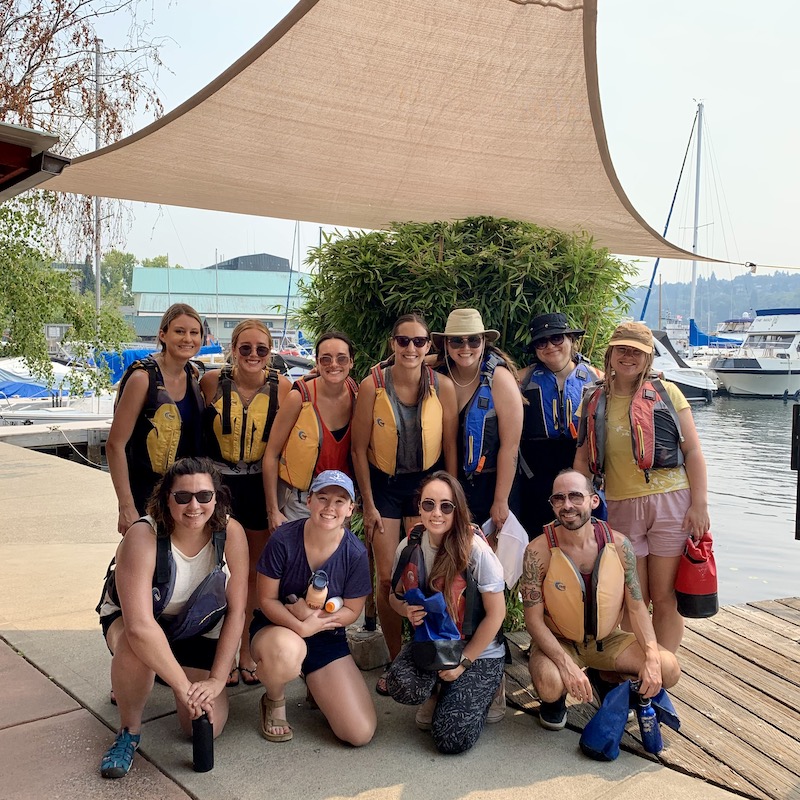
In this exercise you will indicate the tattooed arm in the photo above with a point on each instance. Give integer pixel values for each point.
(534, 568)
(641, 624)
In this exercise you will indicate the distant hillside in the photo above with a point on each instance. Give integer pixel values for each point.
(720, 299)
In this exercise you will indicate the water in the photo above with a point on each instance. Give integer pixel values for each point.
(752, 497)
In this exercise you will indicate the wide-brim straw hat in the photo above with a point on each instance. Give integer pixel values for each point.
(633, 334)
(464, 322)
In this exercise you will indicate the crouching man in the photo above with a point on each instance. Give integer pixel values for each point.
(578, 577)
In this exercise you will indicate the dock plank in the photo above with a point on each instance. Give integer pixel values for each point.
(738, 700)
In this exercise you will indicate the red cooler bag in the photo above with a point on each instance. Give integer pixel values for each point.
(696, 581)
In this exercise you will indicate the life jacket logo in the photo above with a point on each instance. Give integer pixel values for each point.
(301, 435)
(560, 586)
(169, 415)
(380, 422)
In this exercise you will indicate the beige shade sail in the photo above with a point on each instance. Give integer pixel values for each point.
(361, 113)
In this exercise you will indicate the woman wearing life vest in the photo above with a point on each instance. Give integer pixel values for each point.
(156, 414)
(312, 431)
(489, 413)
(457, 562)
(188, 550)
(638, 434)
(405, 422)
(242, 400)
(308, 566)
(553, 386)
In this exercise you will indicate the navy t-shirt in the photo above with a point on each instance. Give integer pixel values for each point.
(284, 558)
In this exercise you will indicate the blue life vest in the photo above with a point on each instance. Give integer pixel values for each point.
(481, 435)
(551, 414)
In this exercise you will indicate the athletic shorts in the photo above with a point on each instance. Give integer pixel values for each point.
(395, 495)
(296, 505)
(322, 648)
(197, 652)
(589, 656)
(248, 505)
(653, 523)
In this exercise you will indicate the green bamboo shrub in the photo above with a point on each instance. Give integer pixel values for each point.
(509, 270)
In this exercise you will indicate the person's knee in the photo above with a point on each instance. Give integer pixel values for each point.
(546, 680)
(451, 743)
(670, 670)
(359, 732)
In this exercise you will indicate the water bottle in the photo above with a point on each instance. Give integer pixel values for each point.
(317, 592)
(648, 725)
(333, 604)
(202, 744)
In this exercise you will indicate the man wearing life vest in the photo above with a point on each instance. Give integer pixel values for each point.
(577, 579)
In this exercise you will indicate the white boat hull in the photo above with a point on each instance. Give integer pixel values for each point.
(759, 382)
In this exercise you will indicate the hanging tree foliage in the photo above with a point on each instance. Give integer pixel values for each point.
(510, 271)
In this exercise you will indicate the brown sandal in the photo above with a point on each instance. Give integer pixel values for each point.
(268, 721)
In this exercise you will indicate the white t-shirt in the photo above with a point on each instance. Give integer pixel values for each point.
(484, 567)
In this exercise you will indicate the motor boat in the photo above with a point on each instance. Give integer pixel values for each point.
(768, 362)
(692, 381)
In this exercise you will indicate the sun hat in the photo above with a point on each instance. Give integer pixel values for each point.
(633, 334)
(549, 325)
(464, 322)
(333, 477)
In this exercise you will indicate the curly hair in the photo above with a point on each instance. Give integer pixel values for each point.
(454, 552)
(158, 504)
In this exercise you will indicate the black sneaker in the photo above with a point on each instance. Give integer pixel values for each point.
(553, 716)
(601, 687)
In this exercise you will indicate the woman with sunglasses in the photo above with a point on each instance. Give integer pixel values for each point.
(454, 703)
(189, 509)
(242, 400)
(489, 413)
(655, 481)
(307, 564)
(405, 423)
(311, 432)
(553, 386)
(156, 414)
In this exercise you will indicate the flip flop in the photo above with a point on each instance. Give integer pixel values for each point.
(233, 678)
(380, 686)
(268, 721)
(249, 677)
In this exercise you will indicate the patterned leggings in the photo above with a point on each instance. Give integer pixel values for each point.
(463, 704)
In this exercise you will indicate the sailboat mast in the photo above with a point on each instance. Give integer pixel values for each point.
(696, 208)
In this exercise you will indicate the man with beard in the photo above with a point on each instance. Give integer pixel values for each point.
(578, 578)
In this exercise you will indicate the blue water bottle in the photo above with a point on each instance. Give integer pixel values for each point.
(648, 724)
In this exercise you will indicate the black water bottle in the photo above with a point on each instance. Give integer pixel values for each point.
(202, 744)
(648, 726)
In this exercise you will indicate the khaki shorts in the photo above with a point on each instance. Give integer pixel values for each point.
(589, 656)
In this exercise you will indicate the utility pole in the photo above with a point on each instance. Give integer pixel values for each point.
(97, 243)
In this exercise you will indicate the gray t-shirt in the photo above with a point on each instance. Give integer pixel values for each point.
(409, 431)
(484, 566)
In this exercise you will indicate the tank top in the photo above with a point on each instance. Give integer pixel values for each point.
(409, 432)
(190, 442)
(334, 451)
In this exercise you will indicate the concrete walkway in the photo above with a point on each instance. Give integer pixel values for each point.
(57, 535)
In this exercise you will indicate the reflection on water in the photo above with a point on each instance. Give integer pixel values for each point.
(752, 491)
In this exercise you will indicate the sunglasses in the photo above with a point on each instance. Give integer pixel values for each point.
(630, 352)
(184, 498)
(473, 342)
(576, 498)
(341, 360)
(262, 351)
(404, 341)
(446, 507)
(556, 339)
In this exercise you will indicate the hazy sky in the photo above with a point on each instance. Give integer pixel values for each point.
(656, 59)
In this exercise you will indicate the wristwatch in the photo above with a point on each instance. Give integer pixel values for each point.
(465, 662)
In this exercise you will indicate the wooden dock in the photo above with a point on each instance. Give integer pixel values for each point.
(87, 438)
(737, 699)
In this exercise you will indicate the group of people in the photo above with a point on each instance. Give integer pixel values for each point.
(243, 473)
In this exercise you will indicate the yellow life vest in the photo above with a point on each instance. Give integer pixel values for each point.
(235, 434)
(156, 435)
(382, 450)
(567, 613)
(300, 454)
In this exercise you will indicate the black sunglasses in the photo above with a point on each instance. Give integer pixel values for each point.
(473, 342)
(419, 341)
(262, 351)
(184, 498)
(556, 339)
(576, 498)
(446, 507)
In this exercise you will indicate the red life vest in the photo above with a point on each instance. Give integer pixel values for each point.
(655, 428)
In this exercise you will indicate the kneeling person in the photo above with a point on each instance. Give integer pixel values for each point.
(559, 569)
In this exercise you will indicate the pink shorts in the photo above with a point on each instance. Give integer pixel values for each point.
(654, 523)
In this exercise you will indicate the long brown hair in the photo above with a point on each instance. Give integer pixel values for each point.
(454, 552)
(158, 504)
(424, 381)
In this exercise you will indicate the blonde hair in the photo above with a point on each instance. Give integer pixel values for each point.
(645, 373)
